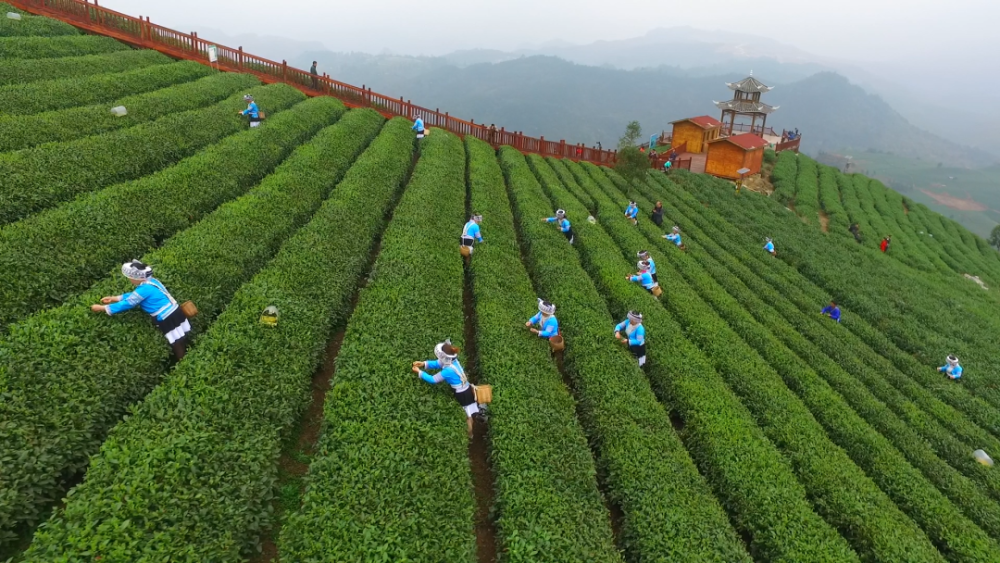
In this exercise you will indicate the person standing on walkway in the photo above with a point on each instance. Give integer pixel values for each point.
(471, 233)
(418, 126)
(831, 310)
(644, 255)
(643, 277)
(564, 226)
(315, 74)
(252, 110)
(632, 212)
(150, 295)
(545, 320)
(951, 368)
(635, 336)
(769, 247)
(452, 373)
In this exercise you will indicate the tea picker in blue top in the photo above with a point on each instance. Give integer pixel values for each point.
(632, 212)
(769, 246)
(675, 237)
(644, 255)
(635, 336)
(645, 278)
(471, 234)
(951, 368)
(545, 319)
(252, 110)
(832, 310)
(153, 298)
(563, 223)
(453, 374)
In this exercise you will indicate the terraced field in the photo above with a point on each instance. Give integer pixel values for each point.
(758, 430)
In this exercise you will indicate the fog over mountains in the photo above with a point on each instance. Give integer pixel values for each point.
(588, 92)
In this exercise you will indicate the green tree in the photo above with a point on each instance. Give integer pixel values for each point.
(995, 237)
(632, 164)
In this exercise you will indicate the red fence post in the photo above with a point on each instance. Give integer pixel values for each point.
(284, 70)
(194, 41)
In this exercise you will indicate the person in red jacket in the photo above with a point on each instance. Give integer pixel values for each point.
(885, 244)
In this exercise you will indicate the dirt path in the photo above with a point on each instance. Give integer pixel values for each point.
(824, 221)
(479, 446)
(299, 449)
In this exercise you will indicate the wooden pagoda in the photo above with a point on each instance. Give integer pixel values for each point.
(746, 102)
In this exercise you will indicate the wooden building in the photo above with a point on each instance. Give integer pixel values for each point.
(746, 102)
(729, 154)
(695, 133)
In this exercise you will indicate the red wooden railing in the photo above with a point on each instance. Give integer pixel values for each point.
(662, 158)
(141, 33)
(792, 145)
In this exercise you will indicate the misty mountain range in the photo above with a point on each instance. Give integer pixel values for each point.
(587, 93)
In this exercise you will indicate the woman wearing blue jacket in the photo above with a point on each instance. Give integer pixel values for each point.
(632, 212)
(453, 374)
(153, 298)
(252, 110)
(644, 255)
(564, 226)
(644, 278)
(951, 368)
(471, 232)
(635, 336)
(545, 320)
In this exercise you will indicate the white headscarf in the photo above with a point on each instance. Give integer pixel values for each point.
(546, 308)
(136, 270)
(445, 359)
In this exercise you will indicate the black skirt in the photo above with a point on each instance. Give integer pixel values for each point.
(175, 326)
(639, 352)
(655, 280)
(467, 397)
(569, 235)
(466, 241)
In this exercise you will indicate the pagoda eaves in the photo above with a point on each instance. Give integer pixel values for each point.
(750, 85)
(745, 106)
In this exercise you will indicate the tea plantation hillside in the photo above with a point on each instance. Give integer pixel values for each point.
(757, 429)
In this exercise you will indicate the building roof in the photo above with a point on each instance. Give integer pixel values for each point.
(703, 121)
(746, 141)
(745, 106)
(749, 84)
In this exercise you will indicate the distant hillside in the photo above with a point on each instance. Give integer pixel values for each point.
(836, 114)
(562, 100)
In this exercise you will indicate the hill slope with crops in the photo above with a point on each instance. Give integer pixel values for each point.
(757, 429)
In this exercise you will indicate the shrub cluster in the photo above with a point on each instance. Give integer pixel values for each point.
(94, 366)
(197, 462)
(61, 251)
(391, 479)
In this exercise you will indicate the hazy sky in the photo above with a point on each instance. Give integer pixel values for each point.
(849, 29)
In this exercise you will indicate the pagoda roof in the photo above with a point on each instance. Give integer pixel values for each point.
(745, 106)
(746, 141)
(703, 121)
(749, 84)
